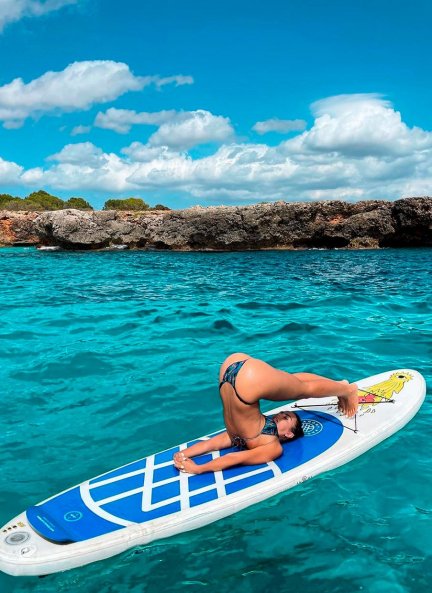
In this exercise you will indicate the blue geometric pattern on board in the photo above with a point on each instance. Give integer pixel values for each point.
(135, 465)
(206, 496)
(134, 512)
(248, 481)
(66, 519)
(151, 488)
(111, 489)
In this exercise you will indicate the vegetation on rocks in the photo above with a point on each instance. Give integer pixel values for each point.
(42, 201)
(39, 201)
(78, 204)
(126, 204)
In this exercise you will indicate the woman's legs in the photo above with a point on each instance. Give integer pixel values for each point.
(259, 380)
(308, 376)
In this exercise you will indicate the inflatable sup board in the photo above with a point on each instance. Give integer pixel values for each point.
(150, 499)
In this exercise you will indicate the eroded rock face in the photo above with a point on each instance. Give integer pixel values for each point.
(413, 219)
(18, 228)
(284, 225)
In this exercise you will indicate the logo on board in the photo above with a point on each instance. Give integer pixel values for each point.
(73, 516)
(311, 427)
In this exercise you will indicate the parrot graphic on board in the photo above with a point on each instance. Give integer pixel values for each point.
(384, 390)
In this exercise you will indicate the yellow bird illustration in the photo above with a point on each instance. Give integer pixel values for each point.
(384, 390)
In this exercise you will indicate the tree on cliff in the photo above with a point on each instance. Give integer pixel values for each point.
(36, 201)
(15, 203)
(5, 198)
(43, 200)
(77, 204)
(126, 204)
(160, 207)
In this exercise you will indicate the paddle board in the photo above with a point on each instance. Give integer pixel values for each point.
(150, 499)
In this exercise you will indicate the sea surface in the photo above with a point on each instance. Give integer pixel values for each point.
(106, 357)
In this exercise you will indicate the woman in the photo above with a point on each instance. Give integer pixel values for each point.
(243, 382)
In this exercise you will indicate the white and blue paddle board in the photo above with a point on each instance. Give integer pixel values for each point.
(149, 499)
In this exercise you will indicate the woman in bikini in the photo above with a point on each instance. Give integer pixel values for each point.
(243, 382)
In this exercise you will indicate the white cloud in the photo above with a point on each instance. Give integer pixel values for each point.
(77, 130)
(179, 130)
(10, 172)
(282, 126)
(324, 162)
(178, 80)
(121, 120)
(14, 10)
(143, 153)
(79, 86)
(83, 153)
(362, 125)
(190, 128)
(97, 170)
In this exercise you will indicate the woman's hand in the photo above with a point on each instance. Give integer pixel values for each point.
(179, 457)
(184, 464)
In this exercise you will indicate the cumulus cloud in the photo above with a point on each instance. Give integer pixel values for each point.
(79, 86)
(327, 161)
(180, 130)
(14, 10)
(98, 170)
(10, 172)
(122, 120)
(144, 153)
(281, 126)
(362, 125)
(190, 128)
(83, 153)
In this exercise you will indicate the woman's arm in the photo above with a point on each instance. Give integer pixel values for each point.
(255, 456)
(216, 443)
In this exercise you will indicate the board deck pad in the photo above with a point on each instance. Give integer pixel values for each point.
(152, 487)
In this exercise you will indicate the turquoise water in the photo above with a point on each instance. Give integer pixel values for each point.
(97, 346)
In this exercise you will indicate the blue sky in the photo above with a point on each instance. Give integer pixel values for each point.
(216, 103)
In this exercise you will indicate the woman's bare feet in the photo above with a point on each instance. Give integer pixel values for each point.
(348, 404)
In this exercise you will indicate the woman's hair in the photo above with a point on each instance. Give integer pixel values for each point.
(298, 429)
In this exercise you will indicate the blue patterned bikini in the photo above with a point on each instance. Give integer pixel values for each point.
(269, 427)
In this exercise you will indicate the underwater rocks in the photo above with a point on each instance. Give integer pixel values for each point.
(279, 225)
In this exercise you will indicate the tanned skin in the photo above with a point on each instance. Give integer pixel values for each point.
(258, 380)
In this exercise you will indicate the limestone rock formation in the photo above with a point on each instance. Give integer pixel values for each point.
(279, 225)
(18, 228)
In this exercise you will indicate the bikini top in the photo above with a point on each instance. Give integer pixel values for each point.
(269, 428)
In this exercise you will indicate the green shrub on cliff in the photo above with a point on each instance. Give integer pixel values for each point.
(43, 200)
(160, 207)
(126, 204)
(78, 204)
(19, 204)
(4, 199)
(8, 202)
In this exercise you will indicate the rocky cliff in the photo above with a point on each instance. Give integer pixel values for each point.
(280, 225)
